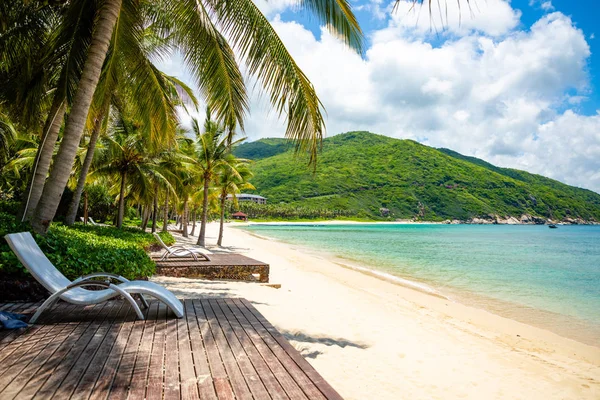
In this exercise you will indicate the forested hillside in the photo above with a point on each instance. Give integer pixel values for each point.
(374, 176)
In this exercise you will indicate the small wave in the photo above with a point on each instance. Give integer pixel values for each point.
(397, 280)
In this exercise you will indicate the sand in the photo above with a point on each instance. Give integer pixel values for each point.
(373, 339)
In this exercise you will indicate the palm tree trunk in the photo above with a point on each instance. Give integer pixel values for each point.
(165, 227)
(89, 156)
(193, 221)
(184, 219)
(220, 240)
(63, 164)
(145, 217)
(44, 156)
(122, 200)
(155, 210)
(202, 235)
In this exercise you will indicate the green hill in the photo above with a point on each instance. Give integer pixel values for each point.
(362, 173)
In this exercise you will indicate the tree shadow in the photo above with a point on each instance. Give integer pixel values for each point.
(327, 341)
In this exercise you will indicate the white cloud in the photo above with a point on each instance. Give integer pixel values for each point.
(544, 5)
(492, 17)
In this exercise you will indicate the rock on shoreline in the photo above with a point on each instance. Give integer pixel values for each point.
(524, 219)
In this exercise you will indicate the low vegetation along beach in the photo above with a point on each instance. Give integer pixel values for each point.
(304, 200)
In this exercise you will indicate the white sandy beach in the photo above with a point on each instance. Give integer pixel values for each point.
(372, 339)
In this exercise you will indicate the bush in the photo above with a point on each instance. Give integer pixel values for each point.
(81, 249)
(10, 207)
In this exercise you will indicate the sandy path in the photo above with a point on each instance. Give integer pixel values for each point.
(372, 339)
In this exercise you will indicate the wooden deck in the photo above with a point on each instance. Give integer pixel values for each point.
(222, 349)
(220, 266)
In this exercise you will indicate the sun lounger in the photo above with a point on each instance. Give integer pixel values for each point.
(36, 262)
(181, 251)
(90, 221)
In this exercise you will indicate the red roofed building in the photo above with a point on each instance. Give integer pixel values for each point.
(239, 215)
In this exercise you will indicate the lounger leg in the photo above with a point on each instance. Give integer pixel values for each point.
(46, 304)
(130, 299)
(144, 301)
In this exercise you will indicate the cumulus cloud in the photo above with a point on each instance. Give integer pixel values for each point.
(492, 17)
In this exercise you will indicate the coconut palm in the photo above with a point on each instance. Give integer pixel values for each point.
(199, 30)
(213, 149)
(232, 178)
(127, 161)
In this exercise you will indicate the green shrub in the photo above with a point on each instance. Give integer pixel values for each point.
(10, 207)
(82, 249)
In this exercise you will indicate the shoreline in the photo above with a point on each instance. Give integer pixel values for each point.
(411, 222)
(362, 333)
(547, 320)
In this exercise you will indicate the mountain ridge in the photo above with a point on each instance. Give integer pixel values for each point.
(367, 174)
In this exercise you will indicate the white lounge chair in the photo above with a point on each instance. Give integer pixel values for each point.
(36, 262)
(90, 220)
(181, 251)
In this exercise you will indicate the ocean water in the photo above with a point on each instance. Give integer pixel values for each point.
(545, 277)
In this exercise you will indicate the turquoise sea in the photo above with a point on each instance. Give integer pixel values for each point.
(545, 277)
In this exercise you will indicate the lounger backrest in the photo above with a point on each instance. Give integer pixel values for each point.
(157, 236)
(36, 262)
(92, 221)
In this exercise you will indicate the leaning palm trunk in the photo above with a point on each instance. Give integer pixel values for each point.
(202, 235)
(165, 227)
(184, 219)
(44, 156)
(155, 209)
(121, 200)
(89, 156)
(220, 240)
(63, 164)
(193, 221)
(145, 217)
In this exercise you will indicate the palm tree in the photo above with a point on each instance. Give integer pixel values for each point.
(199, 29)
(213, 149)
(232, 178)
(126, 160)
(8, 134)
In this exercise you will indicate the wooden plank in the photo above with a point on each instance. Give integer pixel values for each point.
(204, 379)
(49, 388)
(120, 385)
(106, 320)
(262, 370)
(189, 387)
(257, 388)
(21, 370)
(157, 358)
(88, 380)
(290, 386)
(31, 371)
(107, 375)
(28, 336)
(18, 354)
(45, 370)
(53, 365)
(328, 391)
(222, 386)
(240, 388)
(137, 388)
(172, 389)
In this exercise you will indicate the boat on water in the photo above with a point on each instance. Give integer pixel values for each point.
(552, 226)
